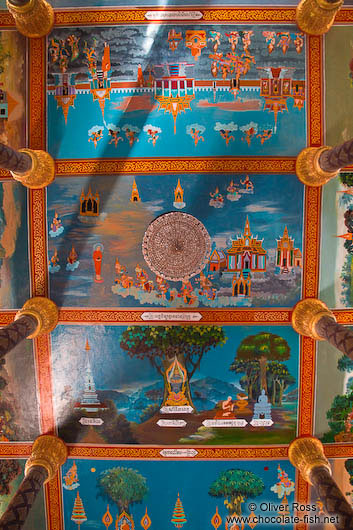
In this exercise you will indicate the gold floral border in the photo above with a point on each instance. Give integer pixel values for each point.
(315, 91)
(311, 252)
(54, 504)
(137, 15)
(15, 450)
(307, 386)
(37, 94)
(42, 352)
(224, 316)
(38, 244)
(65, 168)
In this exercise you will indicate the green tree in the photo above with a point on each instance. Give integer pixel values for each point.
(345, 364)
(161, 344)
(123, 486)
(236, 486)
(349, 468)
(263, 347)
(279, 375)
(346, 178)
(337, 414)
(251, 370)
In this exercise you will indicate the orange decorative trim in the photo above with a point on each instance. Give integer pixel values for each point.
(343, 316)
(38, 247)
(307, 386)
(133, 16)
(301, 497)
(15, 449)
(315, 92)
(336, 450)
(53, 501)
(203, 453)
(6, 20)
(344, 15)
(223, 316)
(42, 349)
(6, 317)
(106, 166)
(37, 94)
(311, 241)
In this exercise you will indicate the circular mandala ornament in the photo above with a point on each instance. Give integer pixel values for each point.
(176, 246)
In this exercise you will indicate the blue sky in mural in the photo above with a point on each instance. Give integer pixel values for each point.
(268, 214)
(164, 481)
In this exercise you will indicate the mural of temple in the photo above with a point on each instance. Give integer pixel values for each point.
(218, 260)
(89, 401)
(89, 203)
(246, 253)
(287, 256)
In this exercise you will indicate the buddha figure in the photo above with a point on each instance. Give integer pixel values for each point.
(176, 378)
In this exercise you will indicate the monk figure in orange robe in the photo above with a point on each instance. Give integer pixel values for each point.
(97, 259)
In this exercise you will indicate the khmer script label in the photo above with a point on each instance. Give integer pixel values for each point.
(180, 316)
(171, 423)
(224, 423)
(91, 421)
(177, 410)
(173, 15)
(261, 423)
(178, 453)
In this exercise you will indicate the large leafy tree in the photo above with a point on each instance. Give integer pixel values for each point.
(9, 470)
(280, 377)
(337, 414)
(252, 372)
(123, 486)
(236, 486)
(161, 344)
(263, 347)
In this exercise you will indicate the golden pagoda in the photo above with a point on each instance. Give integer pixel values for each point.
(135, 197)
(287, 256)
(179, 197)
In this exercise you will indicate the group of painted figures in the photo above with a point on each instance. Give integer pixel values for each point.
(234, 192)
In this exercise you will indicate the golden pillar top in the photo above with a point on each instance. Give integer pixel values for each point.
(306, 454)
(306, 314)
(44, 311)
(35, 18)
(49, 452)
(315, 17)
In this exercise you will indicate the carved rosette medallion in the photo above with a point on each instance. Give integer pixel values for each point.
(42, 172)
(307, 453)
(33, 19)
(308, 169)
(44, 310)
(176, 246)
(49, 452)
(306, 314)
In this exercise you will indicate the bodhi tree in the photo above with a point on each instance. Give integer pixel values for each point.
(251, 370)
(123, 486)
(280, 377)
(236, 486)
(162, 344)
(263, 347)
(9, 470)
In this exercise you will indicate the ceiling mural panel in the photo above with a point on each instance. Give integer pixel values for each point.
(256, 236)
(185, 385)
(221, 90)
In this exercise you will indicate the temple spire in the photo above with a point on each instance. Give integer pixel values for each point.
(247, 231)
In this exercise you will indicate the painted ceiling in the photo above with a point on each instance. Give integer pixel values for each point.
(149, 381)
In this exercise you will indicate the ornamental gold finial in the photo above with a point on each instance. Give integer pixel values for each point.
(49, 452)
(315, 17)
(306, 314)
(33, 18)
(306, 453)
(308, 169)
(44, 311)
(42, 172)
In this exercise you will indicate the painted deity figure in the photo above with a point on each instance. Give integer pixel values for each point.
(115, 138)
(91, 59)
(97, 261)
(56, 227)
(63, 57)
(195, 134)
(73, 43)
(72, 260)
(249, 186)
(187, 292)
(195, 40)
(130, 135)
(173, 39)
(284, 41)
(153, 136)
(214, 69)
(299, 42)
(248, 135)
(206, 288)
(54, 50)
(246, 39)
(226, 136)
(233, 192)
(217, 199)
(96, 137)
(233, 38)
(176, 379)
(225, 68)
(265, 135)
(270, 37)
(54, 262)
(216, 39)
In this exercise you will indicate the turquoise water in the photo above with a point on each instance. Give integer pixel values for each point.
(71, 141)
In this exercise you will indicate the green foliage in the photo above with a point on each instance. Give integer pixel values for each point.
(9, 470)
(346, 178)
(268, 345)
(237, 484)
(250, 382)
(124, 486)
(340, 408)
(149, 412)
(157, 343)
(349, 468)
(345, 364)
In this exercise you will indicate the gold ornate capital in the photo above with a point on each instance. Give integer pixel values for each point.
(44, 310)
(33, 19)
(306, 314)
(49, 452)
(315, 17)
(42, 172)
(306, 453)
(308, 169)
